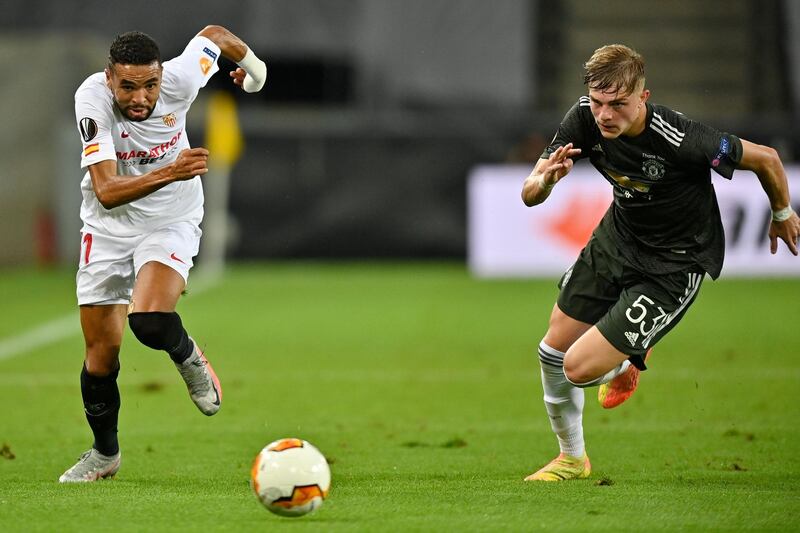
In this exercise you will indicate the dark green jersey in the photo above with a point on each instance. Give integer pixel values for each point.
(664, 216)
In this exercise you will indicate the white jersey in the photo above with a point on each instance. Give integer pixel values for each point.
(140, 147)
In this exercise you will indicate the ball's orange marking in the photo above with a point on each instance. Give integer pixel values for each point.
(300, 496)
(254, 473)
(285, 444)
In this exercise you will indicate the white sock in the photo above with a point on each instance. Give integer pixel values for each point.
(563, 401)
(605, 378)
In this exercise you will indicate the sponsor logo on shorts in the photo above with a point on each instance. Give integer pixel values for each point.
(632, 337)
(176, 258)
(88, 128)
(124, 135)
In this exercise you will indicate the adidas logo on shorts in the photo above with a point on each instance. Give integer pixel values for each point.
(632, 337)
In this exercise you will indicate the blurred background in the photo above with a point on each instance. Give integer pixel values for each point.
(376, 111)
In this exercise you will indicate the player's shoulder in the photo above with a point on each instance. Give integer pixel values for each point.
(184, 74)
(581, 111)
(199, 52)
(669, 115)
(93, 87)
(671, 125)
(93, 99)
(583, 105)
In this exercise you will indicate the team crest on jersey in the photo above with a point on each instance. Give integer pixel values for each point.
(169, 120)
(205, 65)
(88, 129)
(653, 169)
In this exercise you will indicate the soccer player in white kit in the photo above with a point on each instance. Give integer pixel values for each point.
(142, 206)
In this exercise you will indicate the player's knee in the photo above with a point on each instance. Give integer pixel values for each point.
(563, 330)
(156, 330)
(556, 341)
(576, 372)
(101, 366)
(102, 357)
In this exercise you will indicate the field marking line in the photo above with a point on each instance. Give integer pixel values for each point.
(68, 325)
(41, 335)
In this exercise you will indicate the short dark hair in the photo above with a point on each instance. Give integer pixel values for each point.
(133, 48)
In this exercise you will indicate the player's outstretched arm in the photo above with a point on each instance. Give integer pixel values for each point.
(113, 190)
(252, 72)
(546, 174)
(766, 163)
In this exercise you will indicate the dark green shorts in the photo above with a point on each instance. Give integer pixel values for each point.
(633, 310)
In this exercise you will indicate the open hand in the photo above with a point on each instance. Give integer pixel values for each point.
(559, 164)
(788, 231)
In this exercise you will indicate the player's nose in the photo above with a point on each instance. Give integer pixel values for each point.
(139, 97)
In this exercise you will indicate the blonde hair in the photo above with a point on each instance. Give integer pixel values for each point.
(615, 67)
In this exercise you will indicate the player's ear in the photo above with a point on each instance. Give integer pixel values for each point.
(108, 77)
(645, 95)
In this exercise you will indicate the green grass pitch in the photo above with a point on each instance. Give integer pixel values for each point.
(420, 384)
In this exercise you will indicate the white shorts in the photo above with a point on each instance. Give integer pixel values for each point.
(108, 265)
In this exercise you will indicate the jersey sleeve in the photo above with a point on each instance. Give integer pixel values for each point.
(186, 74)
(707, 146)
(94, 127)
(573, 129)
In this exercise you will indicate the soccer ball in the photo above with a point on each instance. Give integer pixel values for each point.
(290, 477)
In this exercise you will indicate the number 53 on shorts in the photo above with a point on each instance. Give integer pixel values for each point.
(648, 310)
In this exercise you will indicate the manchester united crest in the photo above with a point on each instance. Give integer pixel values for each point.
(169, 120)
(653, 169)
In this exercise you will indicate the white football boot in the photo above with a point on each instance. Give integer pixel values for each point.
(92, 466)
(202, 382)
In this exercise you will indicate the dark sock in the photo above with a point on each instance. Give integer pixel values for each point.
(162, 331)
(101, 403)
(184, 349)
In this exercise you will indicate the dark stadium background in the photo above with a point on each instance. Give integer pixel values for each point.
(375, 111)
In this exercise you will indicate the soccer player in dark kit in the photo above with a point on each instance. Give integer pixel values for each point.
(646, 260)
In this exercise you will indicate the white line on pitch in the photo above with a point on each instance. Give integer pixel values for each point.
(69, 325)
(41, 335)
